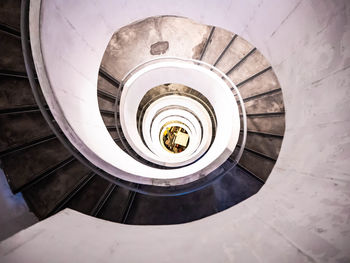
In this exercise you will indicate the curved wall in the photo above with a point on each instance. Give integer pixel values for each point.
(303, 212)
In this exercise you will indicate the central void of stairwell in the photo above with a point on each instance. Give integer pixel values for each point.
(212, 140)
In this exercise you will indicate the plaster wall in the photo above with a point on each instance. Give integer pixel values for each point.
(302, 214)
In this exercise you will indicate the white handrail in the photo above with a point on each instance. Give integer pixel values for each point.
(221, 74)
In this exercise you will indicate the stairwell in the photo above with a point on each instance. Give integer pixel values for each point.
(51, 179)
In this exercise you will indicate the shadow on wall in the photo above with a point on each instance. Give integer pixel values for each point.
(15, 214)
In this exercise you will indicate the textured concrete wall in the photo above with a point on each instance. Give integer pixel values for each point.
(302, 214)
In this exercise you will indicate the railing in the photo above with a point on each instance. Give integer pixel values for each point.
(142, 189)
(222, 75)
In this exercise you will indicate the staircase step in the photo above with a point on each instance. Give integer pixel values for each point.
(120, 145)
(44, 196)
(250, 173)
(207, 42)
(172, 210)
(265, 82)
(253, 64)
(228, 46)
(106, 95)
(112, 80)
(11, 57)
(10, 30)
(113, 209)
(268, 145)
(129, 205)
(113, 134)
(274, 124)
(14, 74)
(22, 128)
(10, 13)
(105, 104)
(87, 198)
(65, 199)
(237, 51)
(234, 188)
(258, 165)
(106, 86)
(103, 200)
(24, 146)
(108, 120)
(15, 92)
(217, 45)
(269, 103)
(31, 163)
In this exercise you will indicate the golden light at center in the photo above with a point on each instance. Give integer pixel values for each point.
(175, 139)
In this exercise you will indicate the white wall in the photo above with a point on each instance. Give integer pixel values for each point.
(302, 214)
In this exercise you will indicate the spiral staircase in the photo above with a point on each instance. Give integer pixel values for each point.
(37, 164)
(40, 162)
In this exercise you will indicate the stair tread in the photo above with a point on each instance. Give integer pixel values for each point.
(235, 188)
(267, 145)
(105, 104)
(17, 129)
(11, 53)
(87, 198)
(44, 196)
(15, 92)
(260, 166)
(267, 104)
(260, 84)
(10, 13)
(238, 49)
(219, 41)
(106, 86)
(25, 166)
(253, 64)
(108, 120)
(269, 124)
(113, 209)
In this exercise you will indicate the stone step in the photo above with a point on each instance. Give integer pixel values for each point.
(44, 196)
(23, 167)
(87, 198)
(10, 13)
